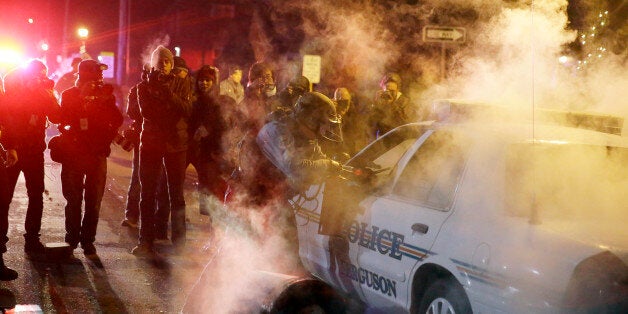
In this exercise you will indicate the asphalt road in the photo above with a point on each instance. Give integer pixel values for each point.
(115, 281)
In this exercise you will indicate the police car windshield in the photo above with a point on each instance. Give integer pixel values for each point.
(386, 151)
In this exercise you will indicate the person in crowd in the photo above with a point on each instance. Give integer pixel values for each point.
(260, 95)
(231, 86)
(180, 67)
(354, 130)
(30, 101)
(90, 117)
(6, 273)
(206, 129)
(390, 108)
(162, 212)
(132, 210)
(164, 101)
(250, 180)
(67, 79)
(295, 89)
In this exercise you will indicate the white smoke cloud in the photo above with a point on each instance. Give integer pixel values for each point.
(514, 62)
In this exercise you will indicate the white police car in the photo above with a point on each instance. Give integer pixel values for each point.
(476, 217)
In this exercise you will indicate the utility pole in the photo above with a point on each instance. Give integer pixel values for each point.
(122, 57)
(64, 43)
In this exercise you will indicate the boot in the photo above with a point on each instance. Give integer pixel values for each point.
(6, 274)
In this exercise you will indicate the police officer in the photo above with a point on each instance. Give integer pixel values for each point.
(292, 144)
(90, 117)
(164, 101)
(11, 158)
(295, 89)
(31, 103)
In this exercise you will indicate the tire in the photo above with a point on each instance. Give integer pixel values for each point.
(311, 297)
(445, 296)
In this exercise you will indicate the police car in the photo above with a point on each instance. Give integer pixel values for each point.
(459, 216)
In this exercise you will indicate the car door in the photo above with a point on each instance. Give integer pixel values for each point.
(322, 211)
(399, 226)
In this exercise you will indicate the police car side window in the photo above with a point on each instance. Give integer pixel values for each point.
(432, 174)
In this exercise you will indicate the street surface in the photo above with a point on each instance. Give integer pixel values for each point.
(115, 281)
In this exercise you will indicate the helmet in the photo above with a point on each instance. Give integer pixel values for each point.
(300, 85)
(318, 113)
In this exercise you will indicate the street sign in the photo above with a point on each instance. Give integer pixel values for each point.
(444, 34)
(312, 68)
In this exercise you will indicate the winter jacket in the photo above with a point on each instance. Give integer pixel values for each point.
(93, 119)
(30, 107)
(206, 112)
(165, 107)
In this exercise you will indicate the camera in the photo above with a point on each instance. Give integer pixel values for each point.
(123, 142)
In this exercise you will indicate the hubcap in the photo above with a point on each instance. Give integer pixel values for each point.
(440, 306)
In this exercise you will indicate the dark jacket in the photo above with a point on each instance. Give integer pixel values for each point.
(93, 119)
(206, 112)
(30, 108)
(165, 107)
(387, 116)
(133, 108)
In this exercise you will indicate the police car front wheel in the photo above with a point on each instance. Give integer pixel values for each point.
(445, 296)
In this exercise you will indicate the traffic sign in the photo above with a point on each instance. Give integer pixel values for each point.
(444, 34)
(312, 68)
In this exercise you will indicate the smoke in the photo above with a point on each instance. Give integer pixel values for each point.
(510, 56)
(247, 242)
(514, 62)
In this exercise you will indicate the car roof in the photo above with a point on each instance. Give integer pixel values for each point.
(529, 133)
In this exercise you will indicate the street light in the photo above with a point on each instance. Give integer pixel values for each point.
(82, 34)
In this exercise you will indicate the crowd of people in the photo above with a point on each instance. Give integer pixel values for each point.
(252, 146)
